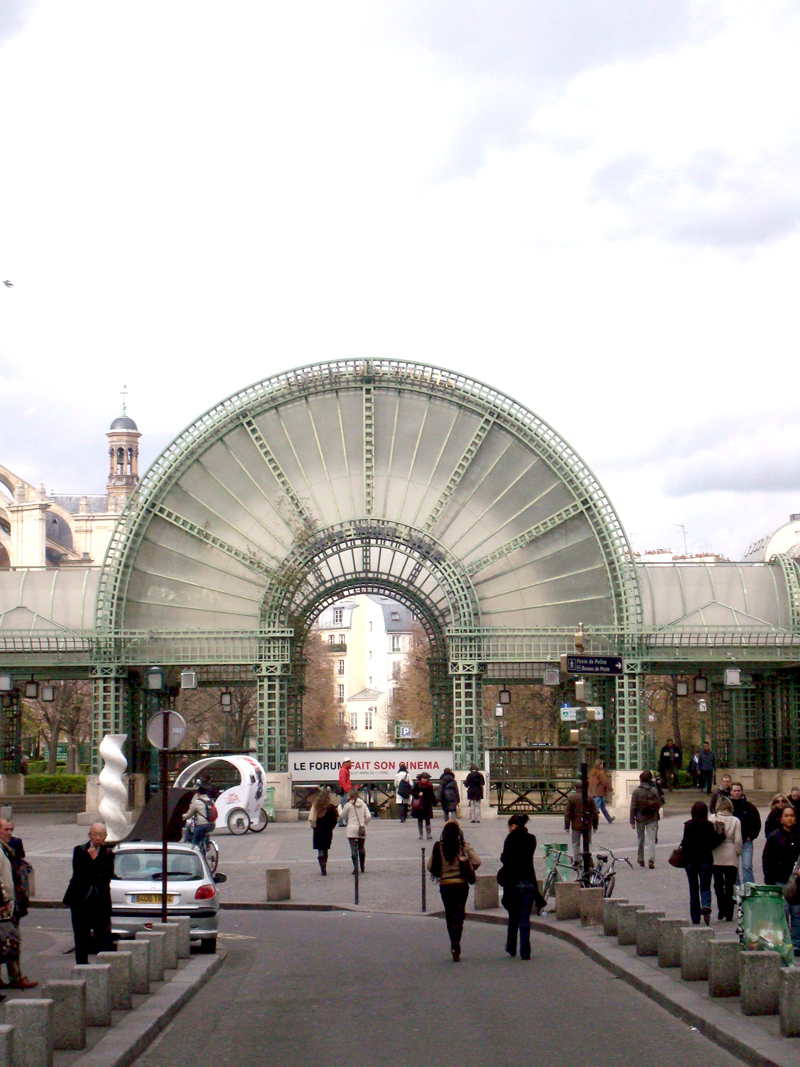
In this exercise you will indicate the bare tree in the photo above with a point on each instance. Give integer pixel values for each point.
(209, 721)
(70, 713)
(323, 722)
(531, 717)
(412, 697)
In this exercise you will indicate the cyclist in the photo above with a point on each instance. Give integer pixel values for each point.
(202, 809)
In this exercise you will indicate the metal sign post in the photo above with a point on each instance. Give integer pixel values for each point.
(165, 731)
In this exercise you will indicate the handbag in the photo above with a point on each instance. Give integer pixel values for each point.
(676, 857)
(502, 877)
(418, 806)
(466, 870)
(9, 941)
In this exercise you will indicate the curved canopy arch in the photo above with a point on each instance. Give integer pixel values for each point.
(392, 473)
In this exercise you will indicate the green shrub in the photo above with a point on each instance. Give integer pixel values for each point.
(55, 783)
(684, 780)
(37, 766)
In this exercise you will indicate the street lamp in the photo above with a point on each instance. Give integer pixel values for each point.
(188, 679)
(154, 679)
(226, 699)
(48, 693)
(32, 690)
(499, 712)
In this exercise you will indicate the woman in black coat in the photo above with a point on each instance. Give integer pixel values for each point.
(700, 838)
(520, 889)
(322, 819)
(422, 800)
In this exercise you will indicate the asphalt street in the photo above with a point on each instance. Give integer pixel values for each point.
(320, 988)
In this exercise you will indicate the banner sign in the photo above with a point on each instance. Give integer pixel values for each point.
(368, 764)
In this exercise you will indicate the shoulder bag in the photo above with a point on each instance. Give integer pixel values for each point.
(466, 870)
(676, 857)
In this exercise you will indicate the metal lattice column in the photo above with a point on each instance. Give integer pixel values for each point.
(11, 733)
(630, 718)
(110, 711)
(272, 720)
(440, 703)
(467, 720)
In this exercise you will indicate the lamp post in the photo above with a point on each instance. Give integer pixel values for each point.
(154, 682)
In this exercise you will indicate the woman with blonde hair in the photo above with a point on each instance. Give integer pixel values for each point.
(600, 788)
(725, 858)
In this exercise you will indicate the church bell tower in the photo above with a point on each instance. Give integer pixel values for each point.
(123, 460)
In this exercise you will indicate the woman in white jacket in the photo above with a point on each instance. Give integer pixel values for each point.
(726, 858)
(355, 816)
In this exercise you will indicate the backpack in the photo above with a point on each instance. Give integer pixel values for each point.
(211, 811)
(649, 803)
(404, 788)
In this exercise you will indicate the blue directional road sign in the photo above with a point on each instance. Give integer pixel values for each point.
(593, 664)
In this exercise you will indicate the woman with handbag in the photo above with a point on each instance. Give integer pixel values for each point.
(322, 819)
(520, 888)
(726, 858)
(422, 800)
(355, 816)
(700, 838)
(453, 863)
(403, 791)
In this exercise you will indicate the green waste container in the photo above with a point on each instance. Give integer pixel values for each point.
(551, 851)
(764, 924)
(269, 802)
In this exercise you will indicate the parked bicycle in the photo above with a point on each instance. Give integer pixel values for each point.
(207, 846)
(563, 870)
(603, 875)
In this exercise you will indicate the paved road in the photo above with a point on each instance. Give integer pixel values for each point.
(321, 988)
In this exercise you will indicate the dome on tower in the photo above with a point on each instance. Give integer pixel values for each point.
(123, 423)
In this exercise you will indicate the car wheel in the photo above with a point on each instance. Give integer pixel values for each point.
(261, 823)
(238, 821)
(208, 946)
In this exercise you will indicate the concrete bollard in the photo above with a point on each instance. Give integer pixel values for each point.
(279, 886)
(567, 906)
(121, 978)
(184, 924)
(156, 941)
(139, 952)
(723, 969)
(98, 991)
(590, 905)
(6, 1046)
(33, 1025)
(170, 944)
(789, 1001)
(646, 929)
(610, 916)
(759, 980)
(485, 892)
(669, 941)
(626, 923)
(695, 952)
(69, 1013)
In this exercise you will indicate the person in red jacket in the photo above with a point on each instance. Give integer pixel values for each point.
(344, 785)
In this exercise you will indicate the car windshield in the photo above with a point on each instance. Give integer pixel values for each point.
(145, 866)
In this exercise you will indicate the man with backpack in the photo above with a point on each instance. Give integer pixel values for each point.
(204, 812)
(449, 795)
(645, 808)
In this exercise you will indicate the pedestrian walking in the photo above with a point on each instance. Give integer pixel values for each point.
(322, 819)
(402, 791)
(706, 765)
(776, 806)
(355, 816)
(670, 762)
(449, 795)
(422, 801)
(345, 785)
(779, 858)
(700, 838)
(723, 791)
(794, 800)
(474, 783)
(725, 858)
(694, 768)
(750, 819)
(520, 889)
(600, 788)
(449, 863)
(88, 895)
(644, 815)
(576, 814)
(14, 853)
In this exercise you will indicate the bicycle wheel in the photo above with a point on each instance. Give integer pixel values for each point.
(212, 854)
(592, 880)
(608, 888)
(238, 821)
(549, 883)
(261, 823)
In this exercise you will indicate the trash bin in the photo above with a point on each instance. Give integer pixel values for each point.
(269, 802)
(764, 924)
(551, 851)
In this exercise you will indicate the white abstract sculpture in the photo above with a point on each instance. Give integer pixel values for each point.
(115, 792)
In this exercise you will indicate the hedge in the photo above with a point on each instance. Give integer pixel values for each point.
(55, 783)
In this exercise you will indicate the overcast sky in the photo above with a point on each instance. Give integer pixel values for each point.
(593, 206)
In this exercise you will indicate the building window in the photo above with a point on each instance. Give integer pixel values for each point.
(396, 670)
(340, 666)
(368, 718)
(331, 639)
(340, 693)
(341, 639)
(353, 720)
(390, 696)
(396, 646)
(370, 625)
(370, 680)
(338, 616)
(369, 654)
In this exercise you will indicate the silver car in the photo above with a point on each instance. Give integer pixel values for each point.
(191, 890)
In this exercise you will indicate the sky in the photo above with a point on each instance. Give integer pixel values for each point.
(592, 206)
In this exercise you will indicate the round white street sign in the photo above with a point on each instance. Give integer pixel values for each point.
(176, 730)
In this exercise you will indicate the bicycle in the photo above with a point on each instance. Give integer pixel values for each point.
(603, 875)
(562, 863)
(207, 846)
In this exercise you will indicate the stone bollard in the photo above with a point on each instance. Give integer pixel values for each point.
(155, 939)
(170, 944)
(590, 905)
(567, 906)
(121, 978)
(669, 941)
(723, 969)
(626, 923)
(33, 1025)
(139, 952)
(69, 1013)
(184, 924)
(485, 895)
(789, 1001)
(98, 991)
(760, 982)
(695, 952)
(610, 916)
(278, 883)
(646, 927)
(6, 1046)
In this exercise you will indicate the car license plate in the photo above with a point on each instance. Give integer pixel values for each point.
(151, 898)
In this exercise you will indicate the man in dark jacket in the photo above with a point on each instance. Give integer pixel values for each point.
(723, 791)
(574, 815)
(669, 763)
(645, 807)
(474, 783)
(706, 764)
(748, 816)
(449, 795)
(88, 895)
(779, 858)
